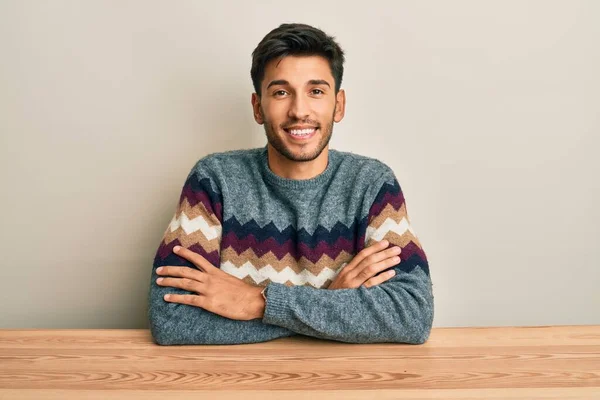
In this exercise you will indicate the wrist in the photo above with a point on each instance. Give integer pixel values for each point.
(257, 303)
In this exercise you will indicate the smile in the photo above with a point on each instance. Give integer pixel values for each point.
(302, 134)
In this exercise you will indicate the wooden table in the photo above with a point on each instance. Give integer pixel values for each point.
(561, 362)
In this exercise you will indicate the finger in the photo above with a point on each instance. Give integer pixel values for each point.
(367, 251)
(380, 256)
(376, 280)
(180, 272)
(182, 283)
(195, 258)
(189, 299)
(373, 269)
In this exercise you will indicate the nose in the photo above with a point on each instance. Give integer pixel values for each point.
(299, 108)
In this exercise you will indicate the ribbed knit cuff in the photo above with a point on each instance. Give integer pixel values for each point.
(277, 309)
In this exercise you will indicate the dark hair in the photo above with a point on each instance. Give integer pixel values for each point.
(296, 39)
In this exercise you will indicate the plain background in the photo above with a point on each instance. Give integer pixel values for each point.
(488, 112)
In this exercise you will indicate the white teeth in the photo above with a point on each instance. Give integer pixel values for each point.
(301, 132)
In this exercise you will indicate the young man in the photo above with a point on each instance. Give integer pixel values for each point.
(292, 238)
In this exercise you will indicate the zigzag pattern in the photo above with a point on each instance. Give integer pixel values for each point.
(190, 226)
(199, 190)
(390, 193)
(194, 225)
(286, 275)
(389, 226)
(165, 255)
(260, 254)
(297, 264)
(294, 248)
(270, 231)
(388, 220)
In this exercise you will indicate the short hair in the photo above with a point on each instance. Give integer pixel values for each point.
(298, 40)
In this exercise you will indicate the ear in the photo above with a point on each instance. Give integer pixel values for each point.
(256, 109)
(340, 106)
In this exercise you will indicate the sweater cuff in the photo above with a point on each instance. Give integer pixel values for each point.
(277, 308)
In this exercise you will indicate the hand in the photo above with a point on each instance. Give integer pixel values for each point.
(366, 264)
(217, 291)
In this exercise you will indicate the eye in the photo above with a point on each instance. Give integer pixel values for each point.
(279, 93)
(318, 91)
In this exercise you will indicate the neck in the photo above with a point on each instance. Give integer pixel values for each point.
(299, 170)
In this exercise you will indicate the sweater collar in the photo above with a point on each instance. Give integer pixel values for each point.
(313, 182)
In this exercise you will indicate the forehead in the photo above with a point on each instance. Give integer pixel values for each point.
(298, 70)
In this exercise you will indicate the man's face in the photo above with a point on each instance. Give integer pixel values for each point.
(298, 106)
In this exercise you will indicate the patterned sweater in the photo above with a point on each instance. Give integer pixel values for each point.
(294, 236)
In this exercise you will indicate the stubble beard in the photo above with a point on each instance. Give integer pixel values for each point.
(278, 144)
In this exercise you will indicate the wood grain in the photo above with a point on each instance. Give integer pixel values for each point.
(410, 394)
(560, 362)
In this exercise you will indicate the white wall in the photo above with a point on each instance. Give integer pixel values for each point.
(487, 111)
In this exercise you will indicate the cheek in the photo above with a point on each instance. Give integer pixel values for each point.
(324, 109)
(276, 114)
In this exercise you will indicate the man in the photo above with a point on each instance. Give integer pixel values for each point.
(292, 238)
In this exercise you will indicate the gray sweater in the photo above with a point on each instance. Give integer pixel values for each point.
(294, 236)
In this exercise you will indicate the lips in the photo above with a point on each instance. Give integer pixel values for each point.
(301, 133)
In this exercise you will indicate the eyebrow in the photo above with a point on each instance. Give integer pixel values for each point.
(311, 82)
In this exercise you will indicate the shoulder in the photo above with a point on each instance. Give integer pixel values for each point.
(368, 177)
(361, 168)
(216, 164)
(209, 173)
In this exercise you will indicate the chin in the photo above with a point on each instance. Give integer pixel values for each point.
(303, 156)
(297, 149)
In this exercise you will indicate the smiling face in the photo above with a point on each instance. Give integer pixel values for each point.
(298, 106)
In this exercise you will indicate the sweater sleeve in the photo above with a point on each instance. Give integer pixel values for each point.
(399, 310)
(197, 225)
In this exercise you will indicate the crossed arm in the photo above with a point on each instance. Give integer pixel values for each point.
(213, 307)
(226, 310)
